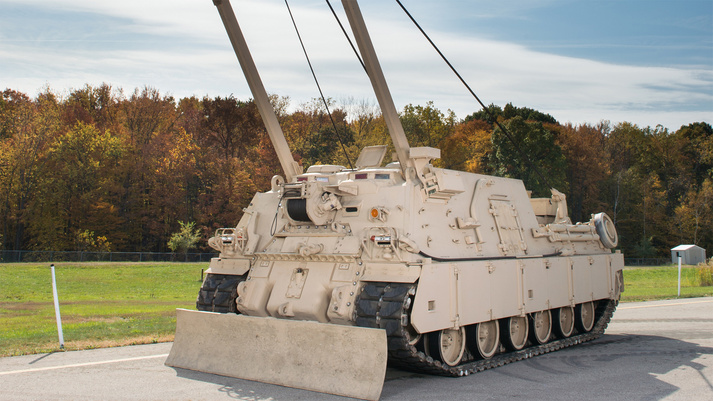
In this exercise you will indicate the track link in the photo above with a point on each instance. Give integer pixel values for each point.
(218, 293)
(387, 306)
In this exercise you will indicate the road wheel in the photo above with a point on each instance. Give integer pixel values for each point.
(483, 339)
(447, 345)
(541, 327)
(563, 319)
(584, 316)
(514, 332)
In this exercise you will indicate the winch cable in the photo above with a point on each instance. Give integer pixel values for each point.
(487, 111)
(347, 36)
(326, 106)
(273, 226)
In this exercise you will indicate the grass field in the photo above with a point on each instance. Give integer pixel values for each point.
(112, 304)
(102, 304)
(661, 282)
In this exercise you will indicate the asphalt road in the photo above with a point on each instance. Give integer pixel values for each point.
(651, 351)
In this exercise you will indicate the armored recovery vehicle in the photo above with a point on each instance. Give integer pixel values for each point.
(334, 272)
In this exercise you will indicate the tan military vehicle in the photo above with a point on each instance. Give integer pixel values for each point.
(335, 271)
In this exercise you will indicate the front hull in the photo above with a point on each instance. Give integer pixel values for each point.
(299, 354)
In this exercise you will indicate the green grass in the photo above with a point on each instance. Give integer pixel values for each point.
(102, 304)
(113, 304)
(661, 282)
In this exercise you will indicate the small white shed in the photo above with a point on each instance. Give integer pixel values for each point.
(690, 254)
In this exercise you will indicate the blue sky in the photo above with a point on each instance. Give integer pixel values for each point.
(639, 32)
(645, 61)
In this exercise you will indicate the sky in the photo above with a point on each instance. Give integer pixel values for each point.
(648, 62)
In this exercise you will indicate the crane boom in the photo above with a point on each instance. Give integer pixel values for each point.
(277, 137)
(378, 82)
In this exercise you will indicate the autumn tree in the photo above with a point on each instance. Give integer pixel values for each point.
(79, 176)
(495, 113)
(468, 148)
(185, 239)
(87, 241)
(534, 141)
(98, 106)
(697, 147)
(427, 125)
(148, 119)
(365, 119)
(97, 170)
(327, 145)
(490, 114)
(27, 127)
(313, 138)
(694, 216)
(232, 125)
(655, 227)
(232, 129)
(588, 168)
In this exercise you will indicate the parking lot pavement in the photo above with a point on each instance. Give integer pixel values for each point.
(651, 350)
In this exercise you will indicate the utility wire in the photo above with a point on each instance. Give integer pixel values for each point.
(326, 106)
(507, 134)
(347, 36)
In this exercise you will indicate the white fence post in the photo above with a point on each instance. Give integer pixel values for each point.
(56, 308)
(679, 274)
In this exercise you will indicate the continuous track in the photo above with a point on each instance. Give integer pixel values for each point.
(386, 306)
(218, 293)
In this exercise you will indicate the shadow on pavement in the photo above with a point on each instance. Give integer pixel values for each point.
(614, 367)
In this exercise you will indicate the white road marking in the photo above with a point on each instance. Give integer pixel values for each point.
(79, 365)
(658, 306)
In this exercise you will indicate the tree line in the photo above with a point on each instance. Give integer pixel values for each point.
(101, 170)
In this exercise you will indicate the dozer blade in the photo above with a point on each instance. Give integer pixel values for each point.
(342, 360)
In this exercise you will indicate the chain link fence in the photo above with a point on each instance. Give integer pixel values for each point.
(62, 256)
(646, 261)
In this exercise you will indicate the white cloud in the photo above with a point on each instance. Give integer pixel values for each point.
(199, 61)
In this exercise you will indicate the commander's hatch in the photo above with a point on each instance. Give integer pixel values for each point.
(371, 156)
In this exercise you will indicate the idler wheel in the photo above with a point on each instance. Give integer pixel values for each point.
(606, 230)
